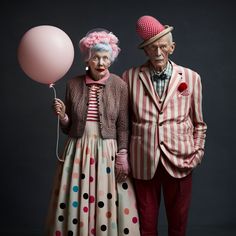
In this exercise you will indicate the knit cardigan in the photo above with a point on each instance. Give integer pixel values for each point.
(113, 109)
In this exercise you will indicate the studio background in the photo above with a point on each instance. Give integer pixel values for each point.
(204, 32)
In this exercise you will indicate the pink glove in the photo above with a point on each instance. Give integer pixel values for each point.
(122, 165)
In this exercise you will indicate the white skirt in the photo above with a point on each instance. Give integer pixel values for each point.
(86, 199)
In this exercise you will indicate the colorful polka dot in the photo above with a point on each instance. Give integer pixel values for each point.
(75, 204)
(85, 209)
(91, 161)
(93, 231)
(134, 220)
(91, 179)
(125, 186)
(100, 204)
(91, 199)
(75, 221)
(109, 196)
(108, 170)
(126, 211)
(85, 196)
(75, 189)
(126, 231)
(60, 218)
(70, 233)
(103, 228)
(62, 205)
(82, 176)
(58, 233)
(108, 214)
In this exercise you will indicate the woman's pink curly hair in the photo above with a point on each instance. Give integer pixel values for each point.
(99, 37)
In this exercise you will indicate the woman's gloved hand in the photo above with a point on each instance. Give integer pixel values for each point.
(122, 165)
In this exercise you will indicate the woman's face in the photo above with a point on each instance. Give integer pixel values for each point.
(99, 64)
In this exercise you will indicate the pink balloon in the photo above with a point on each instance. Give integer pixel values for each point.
(45, 53)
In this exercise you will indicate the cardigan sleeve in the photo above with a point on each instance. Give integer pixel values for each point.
(123, 119)
(66, 126)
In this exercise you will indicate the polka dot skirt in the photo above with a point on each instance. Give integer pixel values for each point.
(86, 198)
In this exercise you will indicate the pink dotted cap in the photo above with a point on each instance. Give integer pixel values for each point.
(150, 29)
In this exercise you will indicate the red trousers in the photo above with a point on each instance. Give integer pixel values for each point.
(177, 195)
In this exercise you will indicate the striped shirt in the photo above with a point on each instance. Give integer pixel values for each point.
(92, 114)
(95, 86)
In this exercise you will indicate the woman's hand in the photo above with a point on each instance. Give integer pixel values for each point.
(122, 165)
(59, 108)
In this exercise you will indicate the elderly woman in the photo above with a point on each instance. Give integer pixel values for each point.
(93, 194)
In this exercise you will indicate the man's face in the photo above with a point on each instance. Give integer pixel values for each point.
(158, 52)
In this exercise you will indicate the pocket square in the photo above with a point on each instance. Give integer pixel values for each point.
(185, 93)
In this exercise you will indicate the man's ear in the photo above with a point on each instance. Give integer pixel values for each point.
(172, 48)
(145, 51)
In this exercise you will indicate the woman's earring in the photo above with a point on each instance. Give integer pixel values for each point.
(86, 68)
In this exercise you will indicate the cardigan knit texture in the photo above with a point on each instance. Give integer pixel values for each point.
(113, 109)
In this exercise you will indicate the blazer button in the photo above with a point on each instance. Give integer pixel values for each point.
(161, 112)
(160, 101)
(162, 143)
(160, 124)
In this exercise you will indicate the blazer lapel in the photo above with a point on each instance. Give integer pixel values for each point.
(144, 75)
(173, 84)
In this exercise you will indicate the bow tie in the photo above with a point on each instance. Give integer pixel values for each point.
(157, 77)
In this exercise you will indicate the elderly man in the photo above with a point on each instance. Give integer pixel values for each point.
(168, 131)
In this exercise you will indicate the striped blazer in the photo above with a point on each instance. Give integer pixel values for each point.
(171, 130)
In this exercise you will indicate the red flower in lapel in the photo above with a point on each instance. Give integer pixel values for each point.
(183, 86)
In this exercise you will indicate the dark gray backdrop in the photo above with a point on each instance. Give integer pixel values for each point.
(205, 37)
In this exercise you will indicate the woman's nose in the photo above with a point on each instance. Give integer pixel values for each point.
(100, 61)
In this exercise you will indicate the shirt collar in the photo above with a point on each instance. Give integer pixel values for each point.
(89, 80)
(167, 71)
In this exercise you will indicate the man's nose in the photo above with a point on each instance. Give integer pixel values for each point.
(158, 51)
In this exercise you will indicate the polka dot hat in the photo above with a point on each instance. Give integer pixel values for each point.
(150, 29)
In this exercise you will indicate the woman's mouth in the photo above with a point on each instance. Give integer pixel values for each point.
(100, 70)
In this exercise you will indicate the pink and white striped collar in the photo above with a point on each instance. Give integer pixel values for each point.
(89, 80)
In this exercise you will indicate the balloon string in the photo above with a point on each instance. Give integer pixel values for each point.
(58, 126)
